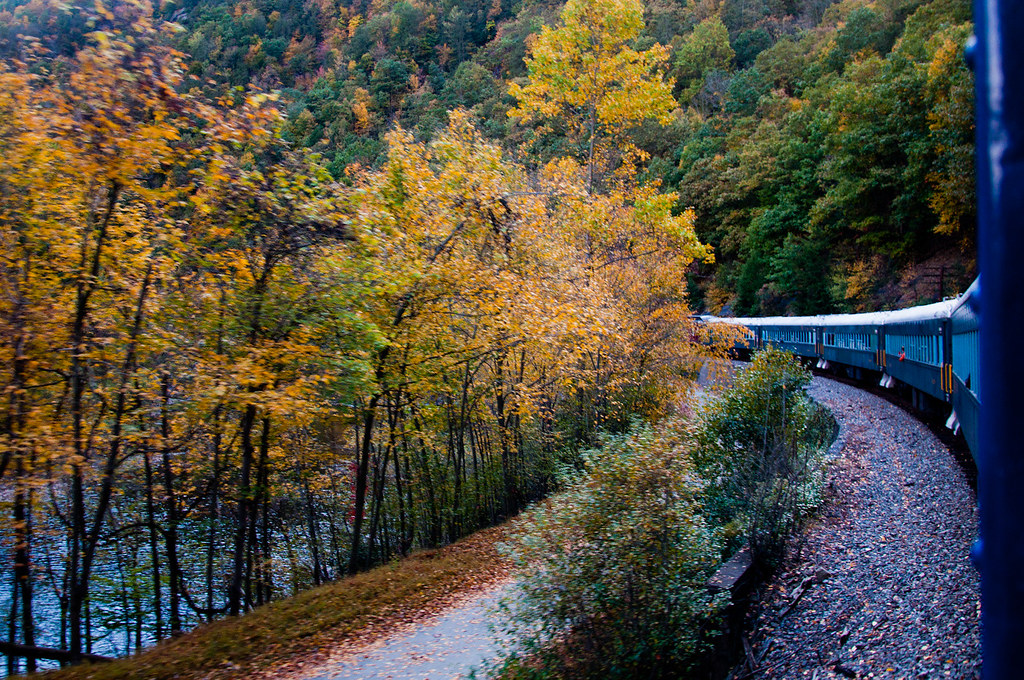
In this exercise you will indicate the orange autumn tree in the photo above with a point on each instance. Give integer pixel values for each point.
(635, 253)
(449, 242)
(255, 317)
(87, 234)
(588, 75)
(25, 438)
(499, 304)
(127, 205)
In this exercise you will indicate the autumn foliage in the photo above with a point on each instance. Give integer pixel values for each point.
(289, 288)
(229, 377)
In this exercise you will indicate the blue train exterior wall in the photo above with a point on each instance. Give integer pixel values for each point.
(964, 347)
(918, 347)
(800, 340)
(916, 354)
(998, 60)
(853, 345)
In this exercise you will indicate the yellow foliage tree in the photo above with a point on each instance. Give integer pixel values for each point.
(125, 208)
(87, 233)
(587, 73)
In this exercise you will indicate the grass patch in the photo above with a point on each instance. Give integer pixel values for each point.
(312, 622)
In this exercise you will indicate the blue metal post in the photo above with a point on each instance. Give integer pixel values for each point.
(999, 68)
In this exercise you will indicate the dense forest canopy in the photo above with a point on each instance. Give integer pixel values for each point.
(825, 146)
(290, 287)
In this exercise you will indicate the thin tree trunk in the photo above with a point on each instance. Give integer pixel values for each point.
(403, 542)
(21, 598)
(86, 542)
(171, 508)
(362, 473)
(125, 609)
(211, 545)
(265, 584)
(23, 571)
(154, 550)
(245, 501)
(79, 567)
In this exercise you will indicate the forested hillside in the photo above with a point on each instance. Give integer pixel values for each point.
(826, 147)
(292, 287)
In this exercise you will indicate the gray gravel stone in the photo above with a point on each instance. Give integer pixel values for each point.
(901, 599)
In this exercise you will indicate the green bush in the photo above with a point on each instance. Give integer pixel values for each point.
(759, 449)
(615, 566)
(613, 569)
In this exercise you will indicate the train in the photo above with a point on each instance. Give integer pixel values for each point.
(929, 351)
(965, 361)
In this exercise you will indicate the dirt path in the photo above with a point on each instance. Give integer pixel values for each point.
(447, 645)
(387, 622)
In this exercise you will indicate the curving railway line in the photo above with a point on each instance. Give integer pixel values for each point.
(932, 350)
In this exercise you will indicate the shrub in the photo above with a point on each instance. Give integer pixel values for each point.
(615, 566)
(759, 450)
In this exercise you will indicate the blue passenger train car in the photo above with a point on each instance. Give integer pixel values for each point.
(931, 349)
(853, 343)
(966, 361)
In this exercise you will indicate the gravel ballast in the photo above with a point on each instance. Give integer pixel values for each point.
(881, 584)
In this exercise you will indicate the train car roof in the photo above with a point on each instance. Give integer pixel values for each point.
(936, 310)
(971, 292)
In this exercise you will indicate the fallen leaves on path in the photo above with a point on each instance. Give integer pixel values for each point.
(448, 578)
